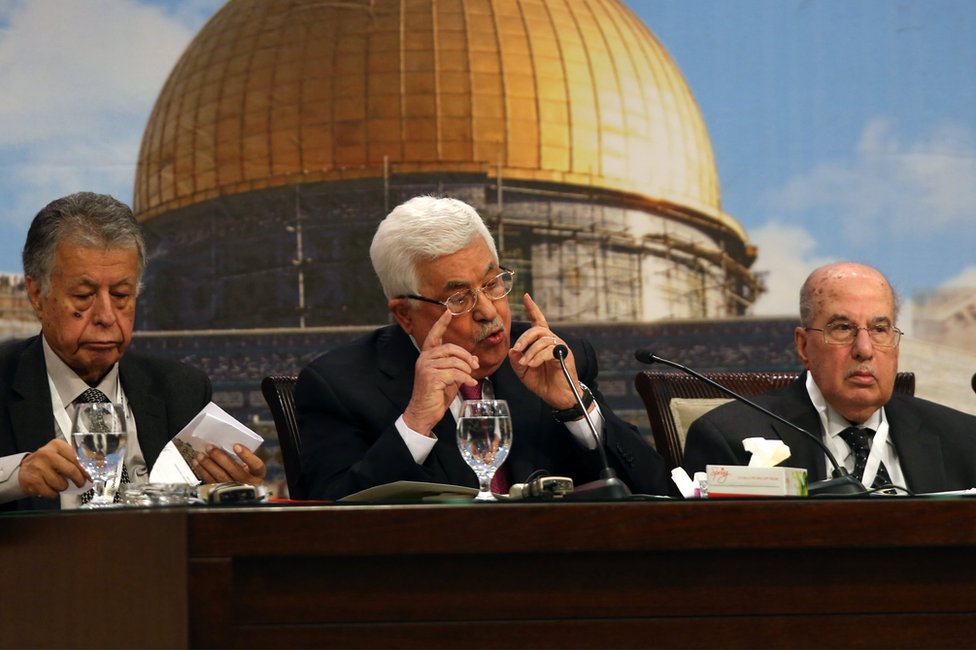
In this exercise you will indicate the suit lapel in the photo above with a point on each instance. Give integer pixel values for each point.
(525, 419)
(397, 360)
(30, 411)
(796, 407)
(148, 409)
(919, 452)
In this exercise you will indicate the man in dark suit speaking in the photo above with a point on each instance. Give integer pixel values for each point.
(848, 341)
(383, 408)
(83, 261)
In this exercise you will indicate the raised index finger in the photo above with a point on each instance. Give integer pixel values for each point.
(435, 336)
(536, 317)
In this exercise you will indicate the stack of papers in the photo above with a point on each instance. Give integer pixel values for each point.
(212, 426)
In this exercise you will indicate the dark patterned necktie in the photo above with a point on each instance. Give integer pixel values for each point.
(95, 396)
(92, 396)
(859, 440)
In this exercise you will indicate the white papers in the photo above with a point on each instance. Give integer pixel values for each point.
(212, 426)
(968, 492)
(171, 468)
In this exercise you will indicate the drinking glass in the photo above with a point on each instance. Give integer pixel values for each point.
(99, 438)
(484, 435)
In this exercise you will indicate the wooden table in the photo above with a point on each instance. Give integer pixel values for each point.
(880, 572)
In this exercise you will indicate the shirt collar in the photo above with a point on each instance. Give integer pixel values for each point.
(67, 382)
(831, 421)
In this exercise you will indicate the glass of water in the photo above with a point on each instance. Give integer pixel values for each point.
(99, 438)
(484, 435)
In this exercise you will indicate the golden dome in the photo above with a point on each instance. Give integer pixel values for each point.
(301, 91)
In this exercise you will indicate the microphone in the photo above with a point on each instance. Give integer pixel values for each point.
(974, 381)
(608, 486)
(841, 482)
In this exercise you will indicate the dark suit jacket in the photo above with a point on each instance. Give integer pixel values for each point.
(163, 395)
(936, 445)
(349, 399)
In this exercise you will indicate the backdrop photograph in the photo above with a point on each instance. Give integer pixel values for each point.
(660, 174)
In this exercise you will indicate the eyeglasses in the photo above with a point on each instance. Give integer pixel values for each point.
(882, 335)
(464, 301)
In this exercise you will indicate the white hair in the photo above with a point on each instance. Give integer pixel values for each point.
(420, 230)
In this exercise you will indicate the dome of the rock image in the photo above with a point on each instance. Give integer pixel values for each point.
(288, 129)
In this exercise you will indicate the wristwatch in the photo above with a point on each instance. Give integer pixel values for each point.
(575, 413)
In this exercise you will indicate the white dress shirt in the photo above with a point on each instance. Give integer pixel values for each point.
(882, 448)
(420, 445)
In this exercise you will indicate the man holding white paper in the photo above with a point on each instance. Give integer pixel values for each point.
(848, 341)
(83, 261)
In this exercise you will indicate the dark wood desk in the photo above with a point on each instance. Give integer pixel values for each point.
(793, 573)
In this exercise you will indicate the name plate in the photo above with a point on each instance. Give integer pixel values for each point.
(739, 481)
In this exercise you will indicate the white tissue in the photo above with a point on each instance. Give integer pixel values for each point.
(685, 485)
(766, 453)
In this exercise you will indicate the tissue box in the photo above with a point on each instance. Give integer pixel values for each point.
(738, 481)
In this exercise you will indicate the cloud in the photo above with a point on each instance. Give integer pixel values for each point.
(57, 82)
(79, 79)
(891, 184)
(787, 255)
(966, 279)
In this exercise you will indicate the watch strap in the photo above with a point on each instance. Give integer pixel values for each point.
(575, 413)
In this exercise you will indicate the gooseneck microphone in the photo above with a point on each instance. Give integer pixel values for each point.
(842, 481)
(608, 486)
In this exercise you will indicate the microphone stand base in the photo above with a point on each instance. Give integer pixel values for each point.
(840, 486)
(606, 489)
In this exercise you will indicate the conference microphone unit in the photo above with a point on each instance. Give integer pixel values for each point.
(841, 483)
(608, 486)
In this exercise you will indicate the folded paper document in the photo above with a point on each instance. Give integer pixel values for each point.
(212, 426)
(411, 492)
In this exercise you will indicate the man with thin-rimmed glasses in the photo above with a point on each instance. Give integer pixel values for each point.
(383, 408)
(848, 341)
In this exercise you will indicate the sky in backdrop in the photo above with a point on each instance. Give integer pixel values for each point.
(842, 129)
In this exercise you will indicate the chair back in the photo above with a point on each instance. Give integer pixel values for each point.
(279, 393)
(674, 400)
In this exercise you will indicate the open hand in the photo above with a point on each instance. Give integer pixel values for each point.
(532, 359)
(441, 370)
(217, 466)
